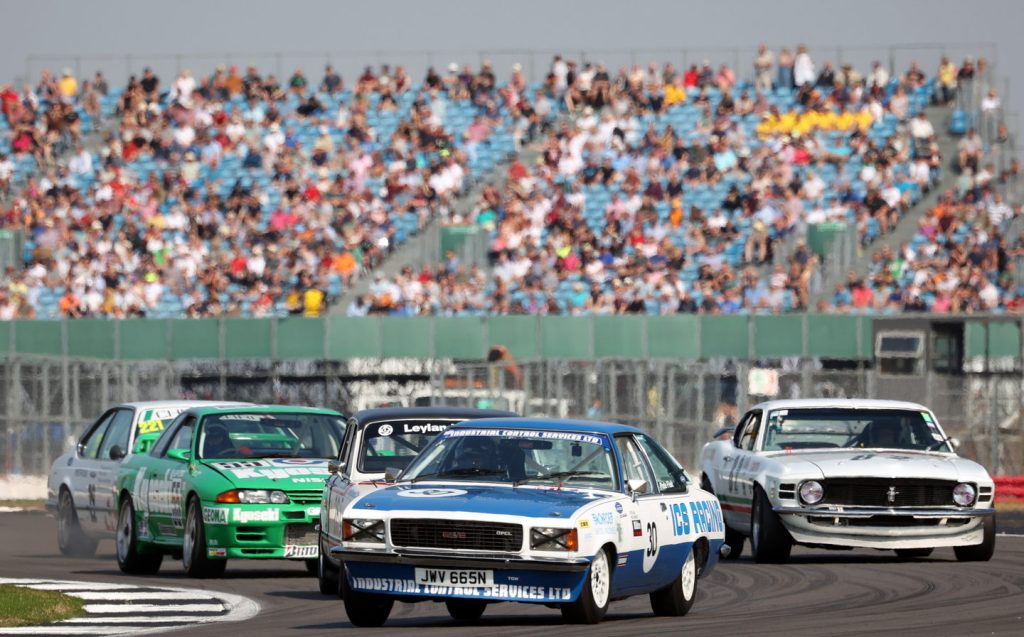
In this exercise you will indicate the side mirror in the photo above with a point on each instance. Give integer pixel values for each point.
(183, 455)
(116, 453)
(955, 443)
(391, 474)
(636, 487)
(335, 466)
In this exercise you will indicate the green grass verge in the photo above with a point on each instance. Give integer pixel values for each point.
(1009, 506)
(21, 606)
(30, 505)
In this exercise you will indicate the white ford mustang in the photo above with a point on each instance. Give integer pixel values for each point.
(848, 473)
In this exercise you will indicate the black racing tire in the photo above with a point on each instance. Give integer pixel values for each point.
(592, 603)
(980, 552)
(770, 542)
(312, 566)
(326, 575)
(734, 539)
(909, 554)
(71, 539)
(194, 558)
(465, 610)
(676, 599)
(366, 610)
(130, 560)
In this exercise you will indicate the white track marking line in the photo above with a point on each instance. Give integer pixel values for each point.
(130, 596)
(97, 609)
(136, 619)
(61, 630)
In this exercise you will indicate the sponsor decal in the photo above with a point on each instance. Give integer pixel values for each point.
(151, 426)
(422, 428)
(246, 417)
(604, 518)
(638, 528)
(217, 552)
(385, 430)
(706, 516)
(300, 551)
(623, 559)
(258, 515)
(162, 413)
(584, 524)
(512, 592)
(927, 417)
(618, 507)
(296, 461)
(430, 493)
(528, 433)
(215, 515)
(275, 468)
(313, 511)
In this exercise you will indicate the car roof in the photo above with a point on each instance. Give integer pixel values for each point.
(156, 404)
(555, 424)
(465, 413)
(266, 409)
(840, 403)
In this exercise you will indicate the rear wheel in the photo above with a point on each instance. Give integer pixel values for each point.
(194, 557)
(676, 599)
(770, 542)
(129, 559)
(907, 554)
(366, 610)
(465, 610)
(71, 539)
(980, 552)
(592, 604)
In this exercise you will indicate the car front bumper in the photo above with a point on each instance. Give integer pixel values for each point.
(884, 528)
(261, 531)
(516, 579)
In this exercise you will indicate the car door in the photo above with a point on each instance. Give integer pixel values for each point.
(650, 518)
(163, 479)
(338, 485)
(735, 484)
(112, 449)
(85, 470)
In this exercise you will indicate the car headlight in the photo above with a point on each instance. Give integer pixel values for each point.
(252, 496)
(362, 530)
(964, 494)
(544, 538)
(811, 492)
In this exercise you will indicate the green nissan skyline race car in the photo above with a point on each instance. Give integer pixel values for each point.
(226, 482)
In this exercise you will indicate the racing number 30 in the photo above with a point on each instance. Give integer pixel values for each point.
(652, 535)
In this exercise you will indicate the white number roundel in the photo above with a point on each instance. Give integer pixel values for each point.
(385, 430)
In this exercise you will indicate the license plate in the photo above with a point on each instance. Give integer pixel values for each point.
(291, 550)
(449, 577)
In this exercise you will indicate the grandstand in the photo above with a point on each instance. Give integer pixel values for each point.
(650, 191)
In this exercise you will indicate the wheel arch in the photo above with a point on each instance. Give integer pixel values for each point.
(701, 552)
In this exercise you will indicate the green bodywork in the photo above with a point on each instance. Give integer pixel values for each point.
(161, 486)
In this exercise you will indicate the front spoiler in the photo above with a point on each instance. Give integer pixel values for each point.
(429, 559)
(867, 512)
(881, 536)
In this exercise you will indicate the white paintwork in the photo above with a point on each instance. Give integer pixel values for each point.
(734, 474)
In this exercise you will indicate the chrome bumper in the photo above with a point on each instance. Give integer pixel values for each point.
(867, 512)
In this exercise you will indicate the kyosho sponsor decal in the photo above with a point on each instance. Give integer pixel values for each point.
(215, 515)
(255, 515)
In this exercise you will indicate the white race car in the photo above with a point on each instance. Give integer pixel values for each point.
(562, 513)
(848, 473)
(81, 485)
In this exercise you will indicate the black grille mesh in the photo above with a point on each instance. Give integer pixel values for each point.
(885, 492)
(457, 534)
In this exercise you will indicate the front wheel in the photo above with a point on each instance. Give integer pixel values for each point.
(194, 557)
(366, 610)
(71, 539)
(126, 541)
(592, 603)
(465, 610)
(980, 552)
(676, 599)
(770, 542)
(326, 575)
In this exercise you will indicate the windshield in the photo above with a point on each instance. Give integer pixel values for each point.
(394, 443)
(518, 456)
(854, 428)
(270, 435)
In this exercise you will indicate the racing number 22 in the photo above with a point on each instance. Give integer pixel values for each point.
(652, 535)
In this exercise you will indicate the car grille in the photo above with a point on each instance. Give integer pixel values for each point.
(457, 534)
(885, 492)
(302, 534)
(306, 496)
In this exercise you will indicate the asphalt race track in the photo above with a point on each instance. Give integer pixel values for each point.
(818, 593)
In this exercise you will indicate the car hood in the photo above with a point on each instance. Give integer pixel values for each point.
(272, 473)
(528, 501)
(891, 464)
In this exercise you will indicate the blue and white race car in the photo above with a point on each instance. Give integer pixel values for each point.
(556, 512)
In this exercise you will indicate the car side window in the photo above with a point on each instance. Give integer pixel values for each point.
(346, 444)
(90, 442)
(669, 476)
(740, 427)
(117, 433)
(633, 462)
(749, 435)
(183, 437)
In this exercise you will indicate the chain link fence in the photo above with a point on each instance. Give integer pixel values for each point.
(47, 400)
